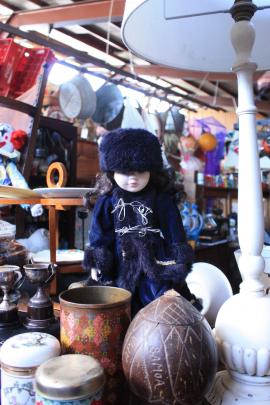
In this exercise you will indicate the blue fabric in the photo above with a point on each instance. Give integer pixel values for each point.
(150, 290)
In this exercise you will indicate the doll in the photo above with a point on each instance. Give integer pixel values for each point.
(136, 239)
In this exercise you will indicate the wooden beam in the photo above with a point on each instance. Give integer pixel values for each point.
(84, 58)
(8, 5)
(262, 106)
(95, 29)
(40, 3)
(91, 40)
(76, 13)
(158, 70)
(227, 92)
(18, 106)
(133, 86)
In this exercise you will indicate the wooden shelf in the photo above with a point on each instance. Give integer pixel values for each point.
(54, 205)
(217, 191)
(204, 192)
(229, 194)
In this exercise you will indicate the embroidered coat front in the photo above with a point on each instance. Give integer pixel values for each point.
(137, 242)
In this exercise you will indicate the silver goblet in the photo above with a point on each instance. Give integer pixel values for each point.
(10, 277)
(39, 307)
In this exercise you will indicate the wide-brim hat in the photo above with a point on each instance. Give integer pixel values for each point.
(128, 149)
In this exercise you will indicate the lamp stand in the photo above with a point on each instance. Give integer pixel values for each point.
(243, 323)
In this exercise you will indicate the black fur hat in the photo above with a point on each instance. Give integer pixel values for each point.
(128, 150)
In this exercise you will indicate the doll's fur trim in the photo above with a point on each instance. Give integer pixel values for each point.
(99, 258)
(128, 149)
(182, 253)
(139, 258)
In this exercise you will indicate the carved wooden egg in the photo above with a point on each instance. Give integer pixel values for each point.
(169, 353)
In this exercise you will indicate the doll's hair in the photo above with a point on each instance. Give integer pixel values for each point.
(162, 180)
(104, 184)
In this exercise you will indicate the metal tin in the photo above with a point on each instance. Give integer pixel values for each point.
(69, 379)
(94, 321)
(20, 356)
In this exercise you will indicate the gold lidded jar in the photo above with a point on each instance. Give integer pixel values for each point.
(20, 356)
(73, 379)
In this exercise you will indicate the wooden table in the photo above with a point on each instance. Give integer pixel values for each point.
(54, 205)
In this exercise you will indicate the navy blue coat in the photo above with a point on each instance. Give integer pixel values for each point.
(137, 242)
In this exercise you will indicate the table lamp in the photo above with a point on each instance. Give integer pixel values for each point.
(220, 36)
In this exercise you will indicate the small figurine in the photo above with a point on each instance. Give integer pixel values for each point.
(136, 240)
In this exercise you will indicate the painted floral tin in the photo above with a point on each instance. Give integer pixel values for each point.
(71, 379)
(94, 321)
(20, 356)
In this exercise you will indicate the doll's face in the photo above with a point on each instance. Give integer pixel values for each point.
(132, 181)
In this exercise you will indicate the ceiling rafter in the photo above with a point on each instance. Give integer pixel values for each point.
(39, 3)
(100, 32)
(83, 12)
(8, 5)
(224, 89)
(159, 70)
(91, 41)
(103, 33)
(84, 58)
(262, 106)
(135, 86)
(206, 87)
(182, 88)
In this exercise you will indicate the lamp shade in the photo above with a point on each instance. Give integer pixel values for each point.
(153, 30)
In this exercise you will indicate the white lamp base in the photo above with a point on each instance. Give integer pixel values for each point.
(239, 389)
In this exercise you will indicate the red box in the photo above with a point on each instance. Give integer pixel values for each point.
(10, 55)
(28, 69)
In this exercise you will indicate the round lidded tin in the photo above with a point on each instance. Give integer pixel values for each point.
(20, 356)
(71, 379)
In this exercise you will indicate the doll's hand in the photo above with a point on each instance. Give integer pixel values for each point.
(95, 274)
(96, 278)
